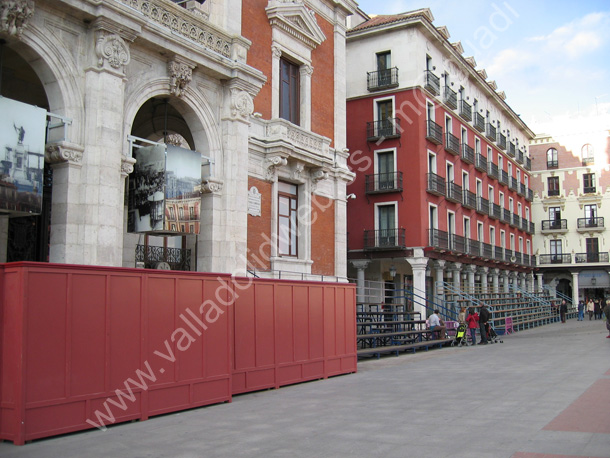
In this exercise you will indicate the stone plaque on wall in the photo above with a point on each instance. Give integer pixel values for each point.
(254, 202)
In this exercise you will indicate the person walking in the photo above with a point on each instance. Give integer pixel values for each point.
(581, 310)
(590, 308)
(607, 313)
(484, 316)
(563, 310)
(473, 323)
(597, 310)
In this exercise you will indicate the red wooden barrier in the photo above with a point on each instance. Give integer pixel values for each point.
(84, 346)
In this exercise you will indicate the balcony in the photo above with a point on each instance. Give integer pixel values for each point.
(382, 79)
(439, 239)
(436, 184)
(529, 195)
(554, 226)
(177, 258)
(454, 192)
(467, 153)
(520, 157)
(458, 244)
(474, 248)
(528, 164)
(384, 129)
(525, 224)
(602, 256)
(499, 253)
(490, 132)
(434, 132)
(590, 224)
(481, 163)
(482, 206)
(532, 228)
(553, 193)
(515, 220)
(384, 239)
(512, 149)
(513, 184)
(432, 82)
(488, 250)
(469, 199)
(465, 111)
(506, 216)
(587, 189)
(502, 142)
(383, 182)
(552, 164)
(450, 97)
(555, 259)
(492, 170)
(495, 211)
(452, 144)
(479, 122)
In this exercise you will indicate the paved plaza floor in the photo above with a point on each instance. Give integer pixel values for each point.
(544, 392)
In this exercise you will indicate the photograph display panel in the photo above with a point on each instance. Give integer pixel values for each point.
(146, 206)
(182, 191)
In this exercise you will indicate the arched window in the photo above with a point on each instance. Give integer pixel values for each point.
(551, 159)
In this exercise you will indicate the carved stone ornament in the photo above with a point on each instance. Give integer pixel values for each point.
(14, 16)
(297, 171)
(241, 104)
(272, 164)
(180, 75)
(211, 186)
(61, 153)
(127, 165)
(111, 48)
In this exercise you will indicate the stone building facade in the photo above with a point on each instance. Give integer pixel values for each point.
(116, 74)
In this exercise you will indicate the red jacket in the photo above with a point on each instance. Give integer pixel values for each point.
(473, 321)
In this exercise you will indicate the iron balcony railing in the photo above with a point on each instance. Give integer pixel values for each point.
(452, 143)
(555, 258)
(450, 97)
(552, 163)
(506, 215)
(382, 79)
(469, 199)
(532, 228)
(522, 189)
(474, 248)
(503, 177)
(479, 122)
(512, 149)
(432, 82)
(588, 189)
(591, 222)
(436, 184)
(554, 224)
(467, 153)
(530, 195)
(495, 211)
(502, 141)
(513, 184)
(385, 128)
(525, 224)
(384, 239)
(601, 256)
(553, 192)
(481, 163)
(383, 182)
(151, 256)
(499, 253)
(520, 157)
(454, 192)
(434, 132)
(438, 239)
(515, 220)
(465, 111)
(488, 250)
(490, 132)
(528, 164)
(482, 205)
(458, 243)
(492, 170)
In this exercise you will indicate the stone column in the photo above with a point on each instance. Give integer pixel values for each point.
(439, 269)
(495, 280)
(504, 276)
(575, 292)
(483, 272)
(457, 272)
(305, 115)
(530, 282)
(418, 265)
(360, 287)
(470, 270)
(539, 278)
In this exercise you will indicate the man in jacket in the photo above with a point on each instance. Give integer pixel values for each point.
(437, 325)
(484, 316)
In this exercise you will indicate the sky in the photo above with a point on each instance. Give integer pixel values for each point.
(551, 58)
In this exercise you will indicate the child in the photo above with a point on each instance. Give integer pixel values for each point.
(473, 323)
(462, 315)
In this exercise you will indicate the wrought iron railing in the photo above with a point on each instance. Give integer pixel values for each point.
(481, 163)
(383, 182)
(554, 224)
(529, 195)
(436, 184)
(465, 111)
(382, 79)
(502, 141)
(512, 149)
(503, 177)
(528, 164)
(432, 82)
(495, 211)
(479, 122)
(434, 132)
(152, 256)
(469, 199)
(601, 256)
(483, 205)
(467, 153)
(552, 163)
(452, 143)
(454, 192)
(384, 239)
(595, 222)
(450, 97)
(490, 132)
(385, 128)
(555, 258)
(492, 170)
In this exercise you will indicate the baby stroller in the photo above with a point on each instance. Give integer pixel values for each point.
(460, 335)
(492, 336)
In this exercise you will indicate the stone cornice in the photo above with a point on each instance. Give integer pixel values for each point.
(64, 153)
